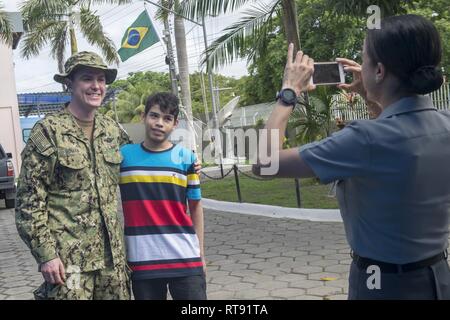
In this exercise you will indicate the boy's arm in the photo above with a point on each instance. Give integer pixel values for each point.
(196, 211)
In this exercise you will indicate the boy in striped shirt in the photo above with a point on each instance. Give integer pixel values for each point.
(157, 184)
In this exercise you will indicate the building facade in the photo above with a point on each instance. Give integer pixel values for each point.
(10, 131)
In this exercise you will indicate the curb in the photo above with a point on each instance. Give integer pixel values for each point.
(320, 215)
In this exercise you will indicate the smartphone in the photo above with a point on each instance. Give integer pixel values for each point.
(328, 73)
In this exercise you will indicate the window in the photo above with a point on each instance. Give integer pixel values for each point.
(25, 134)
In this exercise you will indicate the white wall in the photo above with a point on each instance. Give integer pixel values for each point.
(10, 132)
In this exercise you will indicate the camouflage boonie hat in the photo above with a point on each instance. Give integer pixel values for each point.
(87, 59)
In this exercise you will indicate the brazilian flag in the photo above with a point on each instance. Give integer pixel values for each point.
(138, 37)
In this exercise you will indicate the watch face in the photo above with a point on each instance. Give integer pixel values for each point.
(288, 95)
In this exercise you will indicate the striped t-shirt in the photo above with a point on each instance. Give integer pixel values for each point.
(159, 234)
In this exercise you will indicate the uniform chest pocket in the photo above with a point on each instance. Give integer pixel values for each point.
(72, 171)
(113, 159)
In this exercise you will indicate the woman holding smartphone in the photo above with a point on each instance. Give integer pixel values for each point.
(392, 172)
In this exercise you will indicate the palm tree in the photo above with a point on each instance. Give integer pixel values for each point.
(182, 55)
(131, 103)
(249, 36)
(6, 34)
(55, 22)
(313, 118)
(183, 63)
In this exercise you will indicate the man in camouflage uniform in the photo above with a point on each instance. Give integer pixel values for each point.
(67, 192)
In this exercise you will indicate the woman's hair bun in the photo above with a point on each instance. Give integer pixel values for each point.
(425, 79)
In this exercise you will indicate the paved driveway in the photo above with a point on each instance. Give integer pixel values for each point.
(249, 257)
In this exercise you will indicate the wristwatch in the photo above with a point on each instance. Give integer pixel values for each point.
(288, 97)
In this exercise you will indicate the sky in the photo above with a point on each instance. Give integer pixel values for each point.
(36, 74)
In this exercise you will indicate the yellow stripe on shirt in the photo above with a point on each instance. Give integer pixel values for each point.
(193, 177)
(153, 179)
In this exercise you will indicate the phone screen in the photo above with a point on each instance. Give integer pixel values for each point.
(326, 73)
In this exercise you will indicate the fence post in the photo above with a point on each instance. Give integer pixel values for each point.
(297, 192)
(236, 178)
(221, 169)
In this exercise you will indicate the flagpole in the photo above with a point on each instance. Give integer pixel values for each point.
(169, 54)
(171, 11)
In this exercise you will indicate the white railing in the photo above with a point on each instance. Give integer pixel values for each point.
(343, 110)
(441, 97)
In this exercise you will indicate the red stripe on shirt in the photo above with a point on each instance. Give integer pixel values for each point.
(140, 213)
(168, 266)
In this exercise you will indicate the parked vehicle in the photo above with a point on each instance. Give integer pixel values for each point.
(7, 177)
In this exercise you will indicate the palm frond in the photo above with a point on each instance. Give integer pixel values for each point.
(92, 30)
(195, 9)
(35, 11)
(34, 40)
(247, 36)
(313, 119)
(162, 14)
(59, 43)
(88, 3)
(6, 33)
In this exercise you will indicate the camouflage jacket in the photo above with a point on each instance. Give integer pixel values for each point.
(67, 192)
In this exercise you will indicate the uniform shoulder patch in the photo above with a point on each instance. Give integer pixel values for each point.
(41, 141)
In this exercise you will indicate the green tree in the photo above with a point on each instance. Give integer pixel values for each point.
(359, 7)
(247, 37)
(6, 34)
(328, 35)
(326, 32)
(132, 93)
(325, 36)
(230, 89)
(313, 120)
(56, 22)
(266, 73)
(437, 11)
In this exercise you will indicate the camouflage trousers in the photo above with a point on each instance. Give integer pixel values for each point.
(111, 283)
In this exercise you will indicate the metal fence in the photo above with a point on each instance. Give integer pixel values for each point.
(441, 97)
(238, 172)
(345, 111)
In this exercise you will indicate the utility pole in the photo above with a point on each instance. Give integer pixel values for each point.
(183, 72)
(169, 58)
(205, 103)
(216, 139)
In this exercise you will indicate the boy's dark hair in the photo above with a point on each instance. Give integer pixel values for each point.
(168, 103)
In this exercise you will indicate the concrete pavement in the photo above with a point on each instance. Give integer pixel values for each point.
(252, 257)
(248, 257)
(18, 269)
